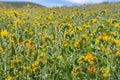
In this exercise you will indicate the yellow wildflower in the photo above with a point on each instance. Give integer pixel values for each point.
(82, 59)
(94, 30)
(114, 33)
(65, 43)
(2, 50)
(35, 64)
(117, 42)
(75, 69)
(9, 78)
(102, 25)
(4, 33)
(76, 44)
(80, 28)
(16, 21)
(84, 35)
(106, 38)
(74, 72)
(94, 20)
(42, 54)
(117, 54)
(59, 57)
(11, 38)
(116, 25)
(43, 58)
(105, 72)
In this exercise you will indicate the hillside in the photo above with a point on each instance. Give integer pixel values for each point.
(18, 4)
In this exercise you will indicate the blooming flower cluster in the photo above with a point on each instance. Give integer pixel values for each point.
(68, 43)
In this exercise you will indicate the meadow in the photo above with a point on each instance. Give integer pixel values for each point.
(68, 43)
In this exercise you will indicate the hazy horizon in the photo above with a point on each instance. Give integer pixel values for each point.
(54, 3)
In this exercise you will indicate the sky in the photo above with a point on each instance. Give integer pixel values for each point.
(54, 3)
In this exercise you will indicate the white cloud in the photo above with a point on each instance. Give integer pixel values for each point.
(85, 1)
(53, 4)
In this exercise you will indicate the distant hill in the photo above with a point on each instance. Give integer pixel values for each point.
(18, 4)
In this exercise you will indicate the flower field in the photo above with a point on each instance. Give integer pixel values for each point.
(68, 43)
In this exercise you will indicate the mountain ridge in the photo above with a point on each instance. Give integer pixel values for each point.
(18, 4)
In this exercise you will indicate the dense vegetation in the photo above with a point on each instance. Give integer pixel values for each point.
(18, 4)
(68, 43)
